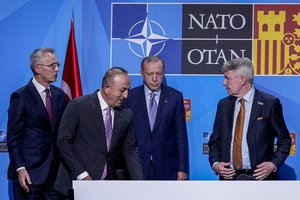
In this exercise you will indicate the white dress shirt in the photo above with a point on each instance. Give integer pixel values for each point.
(103, 105)
(245, 150)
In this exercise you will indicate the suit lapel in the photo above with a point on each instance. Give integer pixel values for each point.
(118, 115)
(256, 111)
(37, 101)
(97, 118)
(141, 108)
(161, 107)
(230, 113)
(54, 95)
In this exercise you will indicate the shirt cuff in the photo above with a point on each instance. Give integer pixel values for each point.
(82, 175)
(20, 168)
(213, 167)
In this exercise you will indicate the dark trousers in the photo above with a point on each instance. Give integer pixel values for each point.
(247, 175)
(36, 192)
(151, 173)
(44, 191)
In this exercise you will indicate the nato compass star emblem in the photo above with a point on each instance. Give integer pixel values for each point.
(146, 37)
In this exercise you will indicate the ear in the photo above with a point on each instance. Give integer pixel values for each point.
(244, 80)
(36, 69)
(106, 89)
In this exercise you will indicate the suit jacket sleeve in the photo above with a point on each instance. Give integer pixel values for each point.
(282, 134)
(215, 139)
(181, 131)
(130, 153)
(15, 130)
(66, 137)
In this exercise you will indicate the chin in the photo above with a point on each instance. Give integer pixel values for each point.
(118, 104)
(154, 88)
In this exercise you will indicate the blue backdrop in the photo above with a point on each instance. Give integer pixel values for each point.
(29, 24)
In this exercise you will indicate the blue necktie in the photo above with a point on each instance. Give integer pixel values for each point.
(152, 110)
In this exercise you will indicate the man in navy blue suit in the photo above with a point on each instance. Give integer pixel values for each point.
(159, 124)
(34, 115)
(247, 152)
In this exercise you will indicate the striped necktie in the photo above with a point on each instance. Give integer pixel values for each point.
(108, 127)
(108, 134)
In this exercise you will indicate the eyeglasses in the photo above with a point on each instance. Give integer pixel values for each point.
(53, 65)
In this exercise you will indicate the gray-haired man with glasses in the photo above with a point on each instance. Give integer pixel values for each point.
(33, 118)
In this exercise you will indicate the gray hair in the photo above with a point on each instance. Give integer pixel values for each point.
(151, 59)
(37, 55)
(111, 73)
(241, 66)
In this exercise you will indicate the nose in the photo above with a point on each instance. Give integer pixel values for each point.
(56, 68)
(154, 77)
(224, 81)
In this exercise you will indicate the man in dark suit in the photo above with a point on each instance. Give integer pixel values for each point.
(89, 150)
(32, 130)
(159, 124)
(246, 125)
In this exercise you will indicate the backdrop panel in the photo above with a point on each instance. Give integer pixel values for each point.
(194, 39)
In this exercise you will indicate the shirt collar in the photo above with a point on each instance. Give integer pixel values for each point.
(248, 96)
(103, 104)
(148, 91)
(40, 88)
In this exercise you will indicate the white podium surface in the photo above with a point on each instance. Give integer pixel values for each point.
(186, 190)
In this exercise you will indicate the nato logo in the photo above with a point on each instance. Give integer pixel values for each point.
(191, 38)
(140, 30)
(143, 41)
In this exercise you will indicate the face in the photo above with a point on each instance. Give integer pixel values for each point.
(153, 74)
(47, 69)
(117, 91)
(233, 83)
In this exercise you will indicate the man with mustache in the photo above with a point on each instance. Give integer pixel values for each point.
(95, 131)
(159, 124)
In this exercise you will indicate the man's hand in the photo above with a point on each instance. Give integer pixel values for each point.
(223, 169)
(24, 179)
(87, 178)
(181, 176)
(263, 170)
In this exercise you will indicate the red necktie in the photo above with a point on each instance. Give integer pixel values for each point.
(238, 136)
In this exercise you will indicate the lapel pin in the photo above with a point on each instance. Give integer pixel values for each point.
(260, 103)
(259, 118)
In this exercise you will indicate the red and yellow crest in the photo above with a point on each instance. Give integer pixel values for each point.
(277, 39)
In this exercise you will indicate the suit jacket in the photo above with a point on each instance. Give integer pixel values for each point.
(266, 123)
(167, 143)
(31, 139)
(82, 142)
